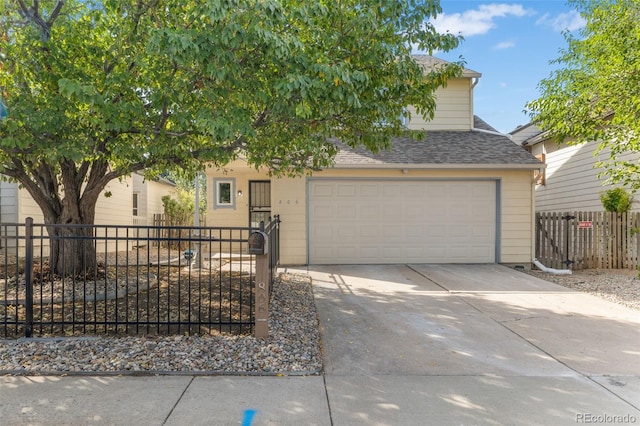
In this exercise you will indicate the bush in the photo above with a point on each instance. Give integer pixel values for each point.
(180, 210)
(616, 200)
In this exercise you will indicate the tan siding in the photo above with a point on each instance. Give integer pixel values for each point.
(239, 215)
(118, 208)
(454, 109)
(154, 191)
(27, 207)
(288, 199)
(115, 210)
(8, 202)
(140, 188)
(572, 182)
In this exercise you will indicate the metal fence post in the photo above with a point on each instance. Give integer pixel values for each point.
(28, 269)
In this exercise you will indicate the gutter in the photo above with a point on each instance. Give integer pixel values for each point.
(436, 166)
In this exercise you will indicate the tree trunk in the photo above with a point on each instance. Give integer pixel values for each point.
(67, 194)
(72, 242)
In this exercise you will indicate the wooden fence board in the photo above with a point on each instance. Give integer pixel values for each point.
(612, 242)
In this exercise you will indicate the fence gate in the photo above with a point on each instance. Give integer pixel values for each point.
(583, 240)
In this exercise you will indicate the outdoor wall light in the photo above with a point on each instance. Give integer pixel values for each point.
(239, 193)
(405, 171)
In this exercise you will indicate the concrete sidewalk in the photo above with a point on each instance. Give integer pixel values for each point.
(403, 345)
(163, 400)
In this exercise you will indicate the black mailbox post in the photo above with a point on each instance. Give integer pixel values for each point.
(258, 243)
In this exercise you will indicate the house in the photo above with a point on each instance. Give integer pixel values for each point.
(462, 195)
(570, 181)
(131, 201)
(147, 197)
(16, 204)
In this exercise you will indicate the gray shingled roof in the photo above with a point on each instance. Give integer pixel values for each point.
(455, 148)
(430, 62)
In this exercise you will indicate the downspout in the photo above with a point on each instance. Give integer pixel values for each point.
(551, 270)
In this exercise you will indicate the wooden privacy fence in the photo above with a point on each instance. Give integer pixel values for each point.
(167, 228)
(585, 240)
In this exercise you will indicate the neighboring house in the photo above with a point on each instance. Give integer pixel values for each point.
(119, 208)
(16, 204)
(570, 180)
(147, 198)
(463, 195)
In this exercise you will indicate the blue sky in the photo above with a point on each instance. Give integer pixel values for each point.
(511, 44)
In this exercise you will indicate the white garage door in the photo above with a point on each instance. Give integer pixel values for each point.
(387, 221)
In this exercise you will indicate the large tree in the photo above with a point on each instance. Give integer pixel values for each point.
(96, 90)
(594, 95)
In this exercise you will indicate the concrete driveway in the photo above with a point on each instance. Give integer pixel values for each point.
(472, 344)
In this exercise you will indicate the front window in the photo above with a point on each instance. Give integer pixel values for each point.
(223, 193)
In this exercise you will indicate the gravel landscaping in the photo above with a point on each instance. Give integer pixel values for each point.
(616, 285)
(293, 346)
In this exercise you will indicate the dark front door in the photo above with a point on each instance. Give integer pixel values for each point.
(259, 202)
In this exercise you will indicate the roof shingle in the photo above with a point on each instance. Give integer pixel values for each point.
(474, 147)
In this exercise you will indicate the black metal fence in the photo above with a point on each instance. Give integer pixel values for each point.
(62, 280)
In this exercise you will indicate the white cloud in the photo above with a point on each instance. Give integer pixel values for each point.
(477, 21)
(565, 21)
(503, 85)
(504, 45)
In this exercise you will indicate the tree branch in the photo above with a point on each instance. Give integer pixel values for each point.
(32, 14)
(43, 190)
(55, 13)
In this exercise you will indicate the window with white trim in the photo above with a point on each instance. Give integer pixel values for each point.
(223, 193)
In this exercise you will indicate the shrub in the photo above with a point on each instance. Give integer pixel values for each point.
(616, 200)
(180, 210)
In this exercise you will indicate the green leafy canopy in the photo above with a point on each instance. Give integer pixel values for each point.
(99, 89)
(594, 95)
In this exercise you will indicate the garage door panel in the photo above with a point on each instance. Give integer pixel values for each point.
(369, 232)
(376, 221)
(482, 233)
(346, 212)
(368, 211)
(322, 190)
(414, 213)
(344, 232)
(482, 191)
(459, 233)
(322, 212)
(434, 232)
(389, 214)
(371, 253)
(345, 190)
(369, 191)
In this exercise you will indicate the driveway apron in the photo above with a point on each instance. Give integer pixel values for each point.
(471, 344)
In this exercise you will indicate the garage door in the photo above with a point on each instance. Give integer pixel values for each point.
(387, 221)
